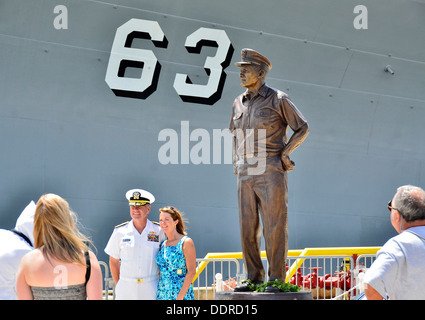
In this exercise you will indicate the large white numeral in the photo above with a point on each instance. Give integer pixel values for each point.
(123, 56)
(214, 66)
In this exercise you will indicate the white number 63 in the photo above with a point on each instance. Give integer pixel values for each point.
(123, 56)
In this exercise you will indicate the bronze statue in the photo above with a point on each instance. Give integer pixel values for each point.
(260, 119)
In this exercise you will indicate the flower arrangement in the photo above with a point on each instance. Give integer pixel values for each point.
(281, 285)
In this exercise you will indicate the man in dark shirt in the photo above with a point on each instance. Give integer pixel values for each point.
(259, 123)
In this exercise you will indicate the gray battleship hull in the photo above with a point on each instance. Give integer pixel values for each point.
(99, 97)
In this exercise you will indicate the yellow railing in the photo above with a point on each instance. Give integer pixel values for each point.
(292, 253)
(349, 251)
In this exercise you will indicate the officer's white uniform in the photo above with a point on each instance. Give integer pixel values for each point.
(139, 272)
(13, 247)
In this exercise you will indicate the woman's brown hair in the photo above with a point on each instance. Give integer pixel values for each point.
(176, 215)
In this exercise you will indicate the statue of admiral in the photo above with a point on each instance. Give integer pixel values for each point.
(260, 120)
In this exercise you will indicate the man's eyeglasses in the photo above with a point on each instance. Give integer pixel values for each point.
(390, 207)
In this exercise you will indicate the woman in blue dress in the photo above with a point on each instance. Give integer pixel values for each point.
(176, 259)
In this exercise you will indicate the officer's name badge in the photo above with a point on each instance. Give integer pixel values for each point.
(153, 236)
(126, 240)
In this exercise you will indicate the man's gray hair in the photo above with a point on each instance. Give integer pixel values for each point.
(410, 202)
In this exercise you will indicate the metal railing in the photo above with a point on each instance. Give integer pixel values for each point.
(364, 262)
(324, 276)
(351, 251)
(206, 286)
(108, 282)
(329, 273)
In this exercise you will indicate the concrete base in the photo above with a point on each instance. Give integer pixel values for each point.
(230, 295)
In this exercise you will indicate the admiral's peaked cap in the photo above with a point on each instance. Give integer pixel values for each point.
(250, 57)
(139, 197)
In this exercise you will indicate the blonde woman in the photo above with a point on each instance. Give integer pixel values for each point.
(60, 267)
(176, 259)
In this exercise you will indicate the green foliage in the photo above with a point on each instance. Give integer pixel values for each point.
(281, 285)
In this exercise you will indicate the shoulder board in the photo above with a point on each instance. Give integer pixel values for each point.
(154, 222)
(122, 224)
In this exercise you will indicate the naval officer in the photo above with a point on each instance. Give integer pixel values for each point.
(132, 249)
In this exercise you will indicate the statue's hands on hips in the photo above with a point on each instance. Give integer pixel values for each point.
(287, 163)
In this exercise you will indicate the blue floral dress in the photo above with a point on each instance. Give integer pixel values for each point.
(172, 265)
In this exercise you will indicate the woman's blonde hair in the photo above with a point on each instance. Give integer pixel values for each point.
(55, 229)
(176, 215)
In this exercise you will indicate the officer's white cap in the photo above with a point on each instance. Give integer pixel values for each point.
(139, 197)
